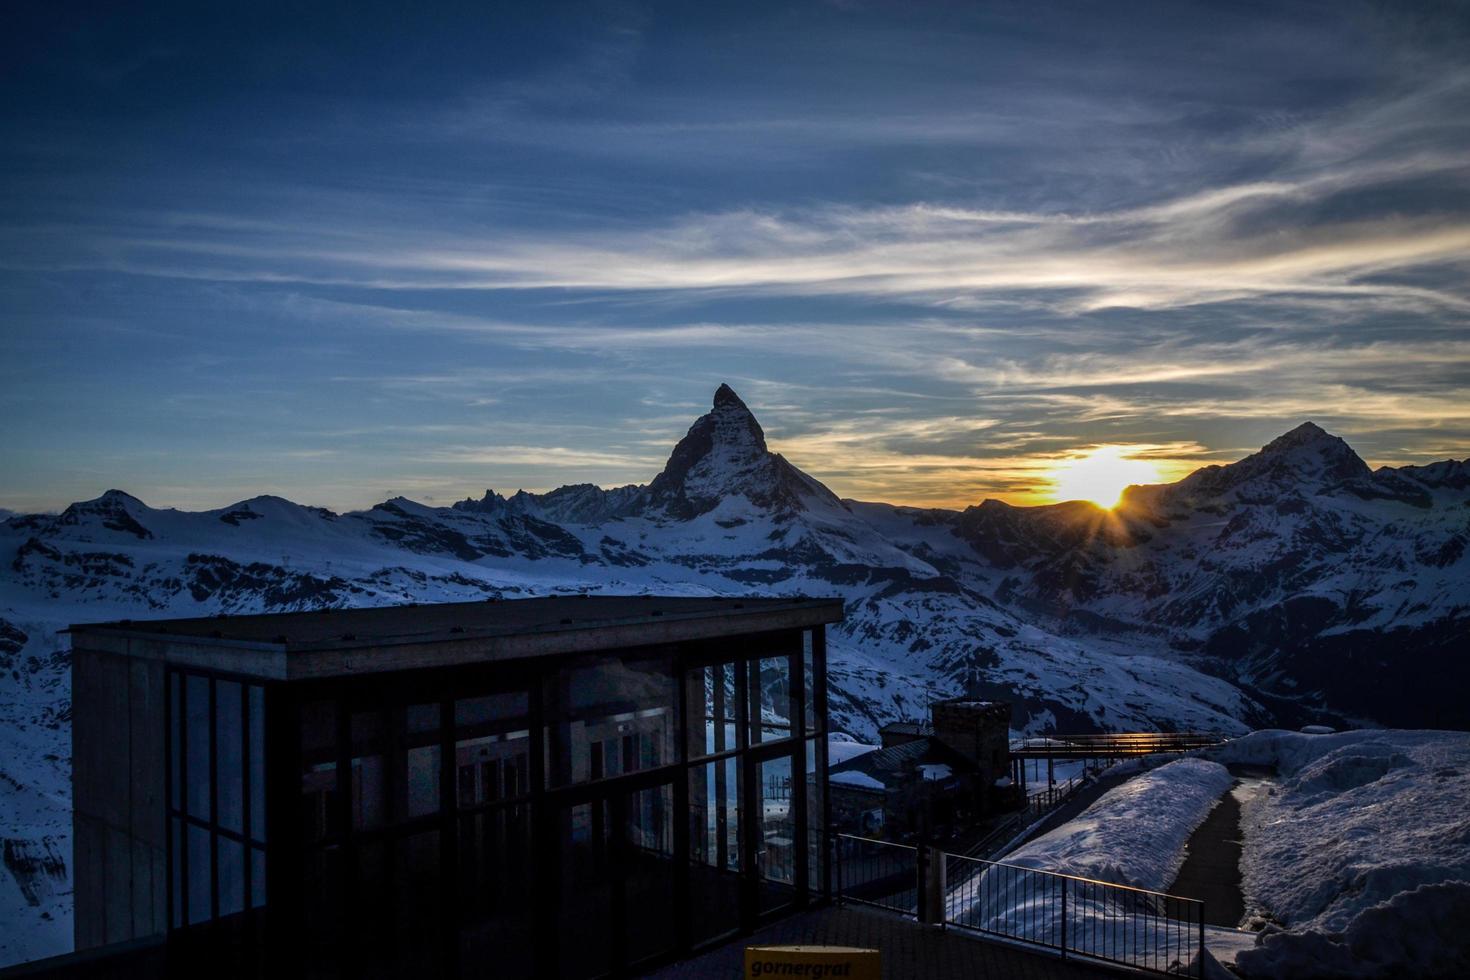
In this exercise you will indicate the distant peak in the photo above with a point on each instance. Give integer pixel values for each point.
(725, 395)
(1306, 434)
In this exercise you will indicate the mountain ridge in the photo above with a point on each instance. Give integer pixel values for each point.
(1293, 585)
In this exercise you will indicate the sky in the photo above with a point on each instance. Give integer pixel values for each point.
(342, 252)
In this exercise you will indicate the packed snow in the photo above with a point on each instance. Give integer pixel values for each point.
(1358, 862)
(842, 747)
(851, 777)
(1134, 834)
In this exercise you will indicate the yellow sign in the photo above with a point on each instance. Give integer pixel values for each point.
(812, 962)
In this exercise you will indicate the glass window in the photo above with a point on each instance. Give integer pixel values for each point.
(490, 710)
(229, 756)
(584, 916)
(809, 682)
(176, 744)
(713, 710)
(176, 873)
(714, 849)
(256, 743)
(418, 779)
(494, 892)
(649, 872)
(367, 770)
(257, 878)
(196, 735)
(492, 749)
(775, 840)
(230, 859)
(416, 897)
(625, 707)
(770, 699)
(816, 855)
(200, 869)
(319, 768)
(422, 783)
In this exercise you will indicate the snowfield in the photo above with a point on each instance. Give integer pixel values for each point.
(1298, 573)
(1359, 860)
(1135, 833)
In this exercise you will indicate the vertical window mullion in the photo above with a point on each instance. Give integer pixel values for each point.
(245, 815)
(183, 799)
(213, 804)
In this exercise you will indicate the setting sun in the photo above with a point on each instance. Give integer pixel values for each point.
(1101, 475)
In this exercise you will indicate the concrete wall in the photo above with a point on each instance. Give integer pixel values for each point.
(118, 773)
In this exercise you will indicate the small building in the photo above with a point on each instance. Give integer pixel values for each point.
(928, 777)
(557, 787)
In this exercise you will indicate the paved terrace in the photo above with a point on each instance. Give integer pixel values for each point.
(910, 951)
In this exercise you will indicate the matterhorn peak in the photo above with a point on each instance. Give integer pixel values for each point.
(725, 395)
(724, 455)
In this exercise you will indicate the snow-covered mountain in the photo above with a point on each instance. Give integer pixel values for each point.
(1296, 582)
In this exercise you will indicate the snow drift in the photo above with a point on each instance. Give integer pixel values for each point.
(1359, 861)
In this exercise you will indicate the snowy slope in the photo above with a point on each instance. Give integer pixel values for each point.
(1359, 860)
(1295, 582)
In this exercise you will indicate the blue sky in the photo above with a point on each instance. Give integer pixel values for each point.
(342, 252)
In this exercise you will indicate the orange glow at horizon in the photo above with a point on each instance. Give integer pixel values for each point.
(1101, 475)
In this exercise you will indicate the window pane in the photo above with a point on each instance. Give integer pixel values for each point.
(494, 892)
(367, 770)
(490, 710)
(649, 872)
(714, 849)
(176, 744)
(197, 741)
(421, 719)
(770, 699)
(713, 710)
(422, 782)
(775, 856)
(809, 682)
(816, 854)
(417, 894)
(257, 762)
(583, 919)
(257, 878)
(176, 873)
(416, 784)
(229, 756)
(622, 709)
(492, 749)
(199, 874)
(230, 856)
(321, 900)
(319, 768)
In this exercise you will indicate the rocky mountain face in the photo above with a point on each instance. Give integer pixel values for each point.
(1294, 584)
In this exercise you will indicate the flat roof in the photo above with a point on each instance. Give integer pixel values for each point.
(337, 642)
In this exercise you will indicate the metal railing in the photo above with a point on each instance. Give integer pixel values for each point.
(1115, 745)
(1043, 800)
(1136, 927)
(877, 872)
(1069, 915)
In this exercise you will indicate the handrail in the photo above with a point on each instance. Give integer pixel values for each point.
(1087, 881)
(874, 840)
(1069, 914)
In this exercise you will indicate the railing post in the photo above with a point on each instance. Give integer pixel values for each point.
(837, 865)
(1064, 918)
(936, 898)
(921, 881)
(1199, 960)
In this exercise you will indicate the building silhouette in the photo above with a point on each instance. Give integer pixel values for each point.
(559, 787)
